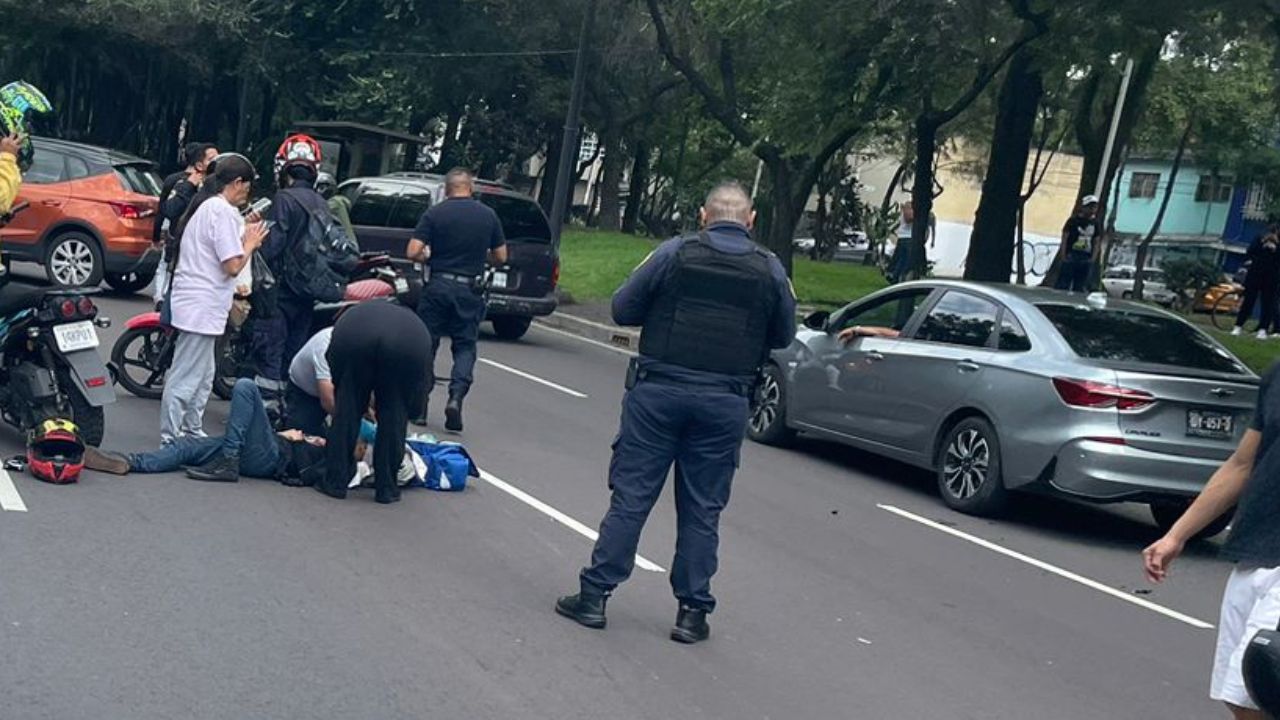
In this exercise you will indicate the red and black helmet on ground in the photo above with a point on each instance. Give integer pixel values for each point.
(55, 453)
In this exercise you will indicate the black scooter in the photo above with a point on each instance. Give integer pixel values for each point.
(49, 362)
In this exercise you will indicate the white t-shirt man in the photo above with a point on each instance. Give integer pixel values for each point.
(202, 289)
(310, 366)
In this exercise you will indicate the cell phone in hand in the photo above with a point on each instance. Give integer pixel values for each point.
(260, 206)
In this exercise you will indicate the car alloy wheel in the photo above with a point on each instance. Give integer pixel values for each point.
(766, 413)
(965, 466)
(72, 262)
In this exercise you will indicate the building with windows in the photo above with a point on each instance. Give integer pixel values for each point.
(1194, 221)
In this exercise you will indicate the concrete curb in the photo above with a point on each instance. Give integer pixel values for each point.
(621, 338)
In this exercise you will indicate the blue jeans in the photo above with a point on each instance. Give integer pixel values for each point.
(249, 435)
(700, 431)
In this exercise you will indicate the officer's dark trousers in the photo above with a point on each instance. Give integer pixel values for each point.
(698, 429)
(453, 310)
(277, 337)
(382, 349)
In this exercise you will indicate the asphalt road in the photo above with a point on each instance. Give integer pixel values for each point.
(158, 597)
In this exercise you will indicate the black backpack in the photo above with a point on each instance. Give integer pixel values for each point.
(319, 263)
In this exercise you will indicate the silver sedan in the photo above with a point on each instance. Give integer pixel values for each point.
(1000, 388)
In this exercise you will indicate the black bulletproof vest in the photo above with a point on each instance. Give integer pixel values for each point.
(713, 310)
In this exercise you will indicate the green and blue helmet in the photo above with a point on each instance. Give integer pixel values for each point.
(22, 103)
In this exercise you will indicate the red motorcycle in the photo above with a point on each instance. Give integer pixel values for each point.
(144, 352)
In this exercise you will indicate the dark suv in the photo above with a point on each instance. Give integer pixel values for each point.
(385, 211)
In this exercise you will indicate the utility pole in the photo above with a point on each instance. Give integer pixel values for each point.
(570, 147)
(1115, 128)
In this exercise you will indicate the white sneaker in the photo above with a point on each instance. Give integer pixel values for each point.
(1262, 335)
(1237, 331)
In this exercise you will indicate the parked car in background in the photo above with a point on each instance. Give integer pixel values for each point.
(1118, 282)
(1001, 388)
(89, 218)
(385, 211)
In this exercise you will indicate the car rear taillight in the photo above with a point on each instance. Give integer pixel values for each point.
(86, 306)
(555, 274)
(131, 211)
(1101, 396)
(68, 309)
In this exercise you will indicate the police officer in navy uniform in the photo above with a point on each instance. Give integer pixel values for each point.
(711, 307)
(453, 239)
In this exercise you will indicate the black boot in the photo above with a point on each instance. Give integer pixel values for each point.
(453, 414)
(421, 420)
(691, 626)
(222, 468)
(585, 609)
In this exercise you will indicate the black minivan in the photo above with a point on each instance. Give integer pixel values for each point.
(385, 210)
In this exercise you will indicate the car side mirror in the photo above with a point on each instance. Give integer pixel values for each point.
(818, 320)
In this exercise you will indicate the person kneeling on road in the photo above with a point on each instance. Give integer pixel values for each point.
(250, 447)
(378, 350)
(309, 398)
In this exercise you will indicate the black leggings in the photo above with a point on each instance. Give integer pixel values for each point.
(382, 349)
(1264, 289)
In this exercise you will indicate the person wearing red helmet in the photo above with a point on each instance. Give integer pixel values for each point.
(282, 318)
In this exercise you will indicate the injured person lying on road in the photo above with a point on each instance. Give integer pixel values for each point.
(250, 447)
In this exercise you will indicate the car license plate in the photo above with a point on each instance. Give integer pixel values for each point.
(1210, 424)
(402, 286)
(500, 280)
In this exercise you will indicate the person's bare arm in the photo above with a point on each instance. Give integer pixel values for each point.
(253, 236)
(327, 401)
(850, 334)
(498, 255)
(1220, 495)
(418, 251)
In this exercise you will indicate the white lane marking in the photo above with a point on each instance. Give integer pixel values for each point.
(579, 338)
(1118, 594)
(554, 514)
(534, 378)
(9, 497)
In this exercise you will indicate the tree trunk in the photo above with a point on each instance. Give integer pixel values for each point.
(1141, 262)
(1092, 136)
(893, 187)
(785, 213)
(610, 217)
(922, 196)
(636, 187)
(547, 190)
(1021, 248)
(991, 244)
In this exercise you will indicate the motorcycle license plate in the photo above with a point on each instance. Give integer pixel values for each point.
(500, 280)
(75, 336)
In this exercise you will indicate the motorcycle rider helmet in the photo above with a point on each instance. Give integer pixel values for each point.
(1261, 669)
(22, 108)
(325, 184)
(298, 149)
(55, 453)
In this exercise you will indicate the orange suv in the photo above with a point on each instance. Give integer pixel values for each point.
(90, 213)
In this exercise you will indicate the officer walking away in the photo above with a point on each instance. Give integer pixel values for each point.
(1079, 239)
(379, 350)
(453, 239)
(711, 307)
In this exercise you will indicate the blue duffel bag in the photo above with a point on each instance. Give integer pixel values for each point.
(448, 465)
